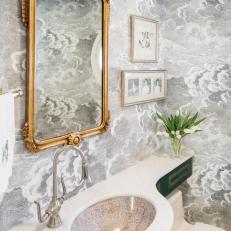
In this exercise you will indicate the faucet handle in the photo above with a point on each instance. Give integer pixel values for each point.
(44, 217)
(62, 198)
(85, 173)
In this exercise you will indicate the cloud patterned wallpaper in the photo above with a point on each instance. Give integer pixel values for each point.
(195, 48)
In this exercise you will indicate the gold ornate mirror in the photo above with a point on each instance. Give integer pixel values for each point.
(67, 71)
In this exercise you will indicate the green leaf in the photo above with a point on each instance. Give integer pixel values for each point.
(199, 121)
(160, 117)
(179, 123)
(191, 121)
(172, 121)
(185, 121)
(168, 124)
(199, 130)
(195, 117)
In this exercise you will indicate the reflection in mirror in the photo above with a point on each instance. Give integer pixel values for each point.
(68, 83)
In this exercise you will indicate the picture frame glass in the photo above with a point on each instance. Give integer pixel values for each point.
(144, 40)
(140, 87)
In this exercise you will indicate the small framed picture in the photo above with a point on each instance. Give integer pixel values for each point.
(143, 86)
(145, 39)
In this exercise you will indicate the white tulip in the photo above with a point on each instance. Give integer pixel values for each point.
(195, 128)
(178, 137)
(159, 113)
(159, 121)
(166, 134)
(173, 132)
(189, 131)
(177, 112)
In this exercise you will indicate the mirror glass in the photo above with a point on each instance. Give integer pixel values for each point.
(68, 83)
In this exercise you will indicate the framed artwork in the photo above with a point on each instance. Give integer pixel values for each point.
(145, 39)
(143, 86)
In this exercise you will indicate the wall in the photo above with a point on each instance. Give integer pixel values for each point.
(195, 40)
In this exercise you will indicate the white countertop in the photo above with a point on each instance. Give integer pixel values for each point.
(139, 180)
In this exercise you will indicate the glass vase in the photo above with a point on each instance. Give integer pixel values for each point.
(176, 146)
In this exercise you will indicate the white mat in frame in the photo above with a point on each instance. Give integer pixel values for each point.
(143, 86)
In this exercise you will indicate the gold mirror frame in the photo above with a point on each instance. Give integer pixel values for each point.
(28, 9)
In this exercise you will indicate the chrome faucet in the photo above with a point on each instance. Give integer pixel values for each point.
(52, 213)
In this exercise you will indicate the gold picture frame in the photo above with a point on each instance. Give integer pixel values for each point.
(139, 87)
(28, 10)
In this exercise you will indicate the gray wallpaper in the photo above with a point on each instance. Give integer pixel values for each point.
(194, 48)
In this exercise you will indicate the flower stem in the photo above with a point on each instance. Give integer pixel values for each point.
(176, 145)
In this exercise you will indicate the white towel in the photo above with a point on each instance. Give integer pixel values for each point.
(7, 139)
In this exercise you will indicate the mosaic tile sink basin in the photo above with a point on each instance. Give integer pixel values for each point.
(126, 213)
